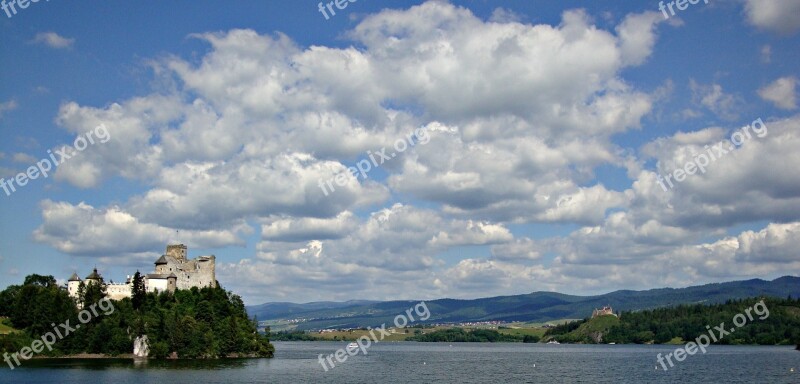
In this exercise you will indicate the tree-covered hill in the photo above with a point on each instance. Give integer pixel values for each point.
(196, 323)
(534, 307)
(682, 323)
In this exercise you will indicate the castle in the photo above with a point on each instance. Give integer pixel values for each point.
(602, 312)
(172, 271)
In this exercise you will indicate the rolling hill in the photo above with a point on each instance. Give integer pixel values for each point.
(535, 307)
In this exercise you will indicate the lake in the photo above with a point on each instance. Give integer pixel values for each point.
(409, 362)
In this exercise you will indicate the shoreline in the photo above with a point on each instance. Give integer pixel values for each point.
(519, 342)
(130, 356)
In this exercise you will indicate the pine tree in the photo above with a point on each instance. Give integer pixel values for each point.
(139, 295)
(94, 292)
(81, 294)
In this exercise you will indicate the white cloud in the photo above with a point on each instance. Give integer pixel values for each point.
(518, 250)
(504, 15)
(23, 158)
(7, 106)
(270, 116)
(283, 184)
(87, 231)
(520, 178)
(53, 40)
(781, 92)
(779, 16)
(474, 234)
(776, 243)
(307, 228)
(637, 36)
(748, 184)
(520, 117)
(724, 105)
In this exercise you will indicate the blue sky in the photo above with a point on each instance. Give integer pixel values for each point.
(548, 121)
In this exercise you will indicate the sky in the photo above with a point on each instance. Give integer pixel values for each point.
(403, 149)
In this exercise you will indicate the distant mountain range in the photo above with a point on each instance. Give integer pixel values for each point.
(533, 307)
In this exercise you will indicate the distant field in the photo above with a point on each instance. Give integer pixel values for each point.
(402, 334)
(355, 334)
(279, 326)
(523, 331)
(397, 334)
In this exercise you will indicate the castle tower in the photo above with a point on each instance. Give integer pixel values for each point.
(178, 251)
(207, 274)
(162, 265)
(73, 284)
(93, 277)
(172, 283)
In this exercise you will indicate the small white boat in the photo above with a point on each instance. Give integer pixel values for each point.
(352, 345)
(553, 342)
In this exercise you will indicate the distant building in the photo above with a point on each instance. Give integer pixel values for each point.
(173, 270)
(603, 311)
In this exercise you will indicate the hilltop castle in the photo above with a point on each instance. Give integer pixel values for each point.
(603, 312)
(172, 271)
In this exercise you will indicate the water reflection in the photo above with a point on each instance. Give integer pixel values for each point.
(105, 364)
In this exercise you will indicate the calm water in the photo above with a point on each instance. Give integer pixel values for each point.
(296, 362)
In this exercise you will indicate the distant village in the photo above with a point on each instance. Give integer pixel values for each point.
(494, 324)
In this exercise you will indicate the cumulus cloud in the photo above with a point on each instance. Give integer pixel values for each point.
(291, 229)
(84, 230)
(778, 16)
(744, 184)
(53, 40)
(520, 118)
(503, 15)
(781, 92)
(523, 249)
(777, 243)
(474, 234)
(637, 36)
(712, 96)
(278, 119)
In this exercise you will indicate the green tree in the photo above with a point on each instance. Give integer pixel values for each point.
(170, 321)
(8, 298)
(38, 303)
(138, 295)
(42, 281)
(530, 339)
(93, 293)
(81, 294)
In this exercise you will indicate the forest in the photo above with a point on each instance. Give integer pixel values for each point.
(196, 323)
(686, 322)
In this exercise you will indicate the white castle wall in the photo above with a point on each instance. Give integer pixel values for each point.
(119, 291)
(199, 272)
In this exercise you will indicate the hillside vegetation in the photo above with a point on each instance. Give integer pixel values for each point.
(686, 322)
(196, 323)
(5, 326)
